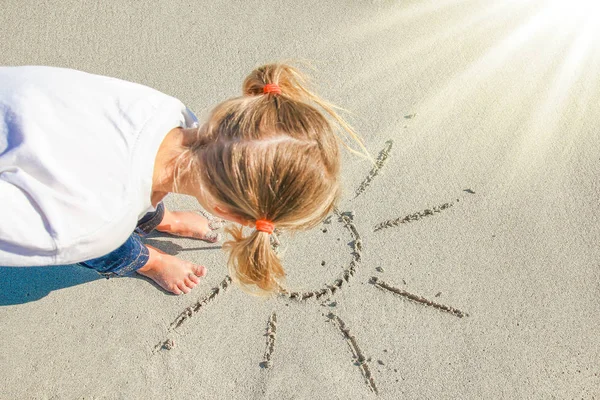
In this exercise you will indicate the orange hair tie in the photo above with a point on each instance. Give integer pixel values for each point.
(271, 88)
(264, 226)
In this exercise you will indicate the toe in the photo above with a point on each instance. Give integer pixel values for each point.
(212, 237)
(200, 270)
(188, 282)
(194, 279)
(183, 287)
(215, 224)
(174, 289)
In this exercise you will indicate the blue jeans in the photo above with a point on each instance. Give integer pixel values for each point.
(132, 255)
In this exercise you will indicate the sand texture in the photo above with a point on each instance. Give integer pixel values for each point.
(463, 264)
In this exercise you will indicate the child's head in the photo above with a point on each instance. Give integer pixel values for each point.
(267, 156)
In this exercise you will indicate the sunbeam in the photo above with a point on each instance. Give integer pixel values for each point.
(535, 71)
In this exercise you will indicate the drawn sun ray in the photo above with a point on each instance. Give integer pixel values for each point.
(413, 217)
(270, 346)
(379, 163)
(360, 360)
(190, 311)
(416, 298)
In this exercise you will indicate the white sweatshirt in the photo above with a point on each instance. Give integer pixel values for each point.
(77, 156)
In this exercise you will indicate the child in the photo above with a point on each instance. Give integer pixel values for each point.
(85, 161)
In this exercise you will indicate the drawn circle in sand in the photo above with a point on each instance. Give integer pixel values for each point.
(321, 262)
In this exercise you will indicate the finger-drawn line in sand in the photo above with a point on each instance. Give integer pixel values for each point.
(379, 163)
(186, 314)
(330, 289)
(412, 217)
(418, 299)
(271, 333)
(191, 310)
(361, 360)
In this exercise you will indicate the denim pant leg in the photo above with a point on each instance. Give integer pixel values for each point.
(131, 255)
(151, 220)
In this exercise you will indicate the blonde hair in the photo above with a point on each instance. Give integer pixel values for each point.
(273, 157)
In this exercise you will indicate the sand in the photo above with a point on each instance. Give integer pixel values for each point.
(464, 264)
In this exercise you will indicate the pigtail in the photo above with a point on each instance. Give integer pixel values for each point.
(295, 86)
(252, 261)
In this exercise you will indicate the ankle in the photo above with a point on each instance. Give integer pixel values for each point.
(169, 222)
(154, 259)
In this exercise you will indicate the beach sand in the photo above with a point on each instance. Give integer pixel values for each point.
(464, 264)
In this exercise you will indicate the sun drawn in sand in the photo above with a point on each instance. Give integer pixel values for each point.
(342, 277)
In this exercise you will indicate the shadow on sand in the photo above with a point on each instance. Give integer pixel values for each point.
(20, 285)
(174, 248)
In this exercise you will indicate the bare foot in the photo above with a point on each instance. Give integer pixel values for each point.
(171, 273)
(192, 225)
